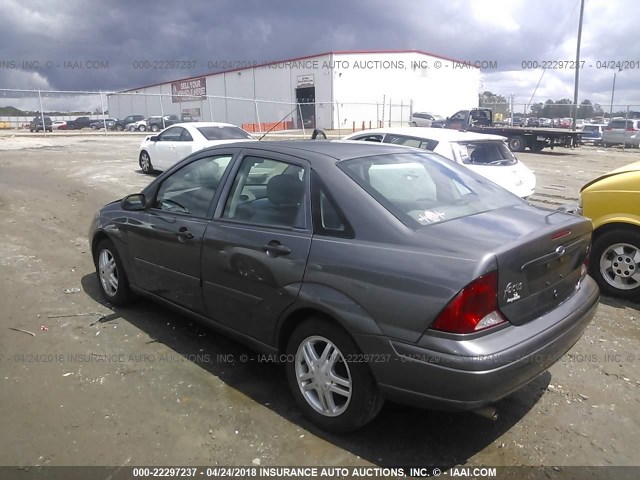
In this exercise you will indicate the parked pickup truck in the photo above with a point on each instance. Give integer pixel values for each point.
(155, 124)
(80, 123)
(480, 120)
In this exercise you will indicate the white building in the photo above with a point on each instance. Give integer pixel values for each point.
(328, 90)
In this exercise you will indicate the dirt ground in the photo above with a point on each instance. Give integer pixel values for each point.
(146, 386)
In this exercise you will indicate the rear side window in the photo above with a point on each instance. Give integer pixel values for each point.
(486, 153)
(369, 138)
(328, 218)
(414, 142)
(619, 124)
(422, 189)
(224, 133)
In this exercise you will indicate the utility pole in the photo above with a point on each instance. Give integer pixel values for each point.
(575, 86)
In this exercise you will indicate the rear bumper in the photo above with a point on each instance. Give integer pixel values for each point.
(456, 374)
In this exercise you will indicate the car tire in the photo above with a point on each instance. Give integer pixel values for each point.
(537, 146)
(154, 128)
(612, 263)
(119, 128)
(356, 400)
(413, 124)
(132, 128)
(112, 278)
(142, 128)
(145, 163)
(516, 143)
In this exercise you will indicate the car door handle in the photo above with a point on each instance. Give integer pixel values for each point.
(183, 234)
(274, 248)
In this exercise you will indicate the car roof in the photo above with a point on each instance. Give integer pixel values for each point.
(204, 124)
(331, 149)
(440, 134)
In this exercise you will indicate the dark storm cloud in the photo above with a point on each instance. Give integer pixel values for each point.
(123, 33)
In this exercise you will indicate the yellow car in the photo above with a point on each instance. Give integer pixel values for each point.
(612, 201)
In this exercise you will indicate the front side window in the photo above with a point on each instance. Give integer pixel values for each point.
(486, 153)
(422, 188)
(171, 135)
(268, 192)
(190, 190)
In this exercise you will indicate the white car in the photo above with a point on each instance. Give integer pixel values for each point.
(59, 124)
(139, 126)
(162, 151)
(487, 155)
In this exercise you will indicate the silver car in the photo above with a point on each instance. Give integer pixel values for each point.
(425, 119)
(622, 132)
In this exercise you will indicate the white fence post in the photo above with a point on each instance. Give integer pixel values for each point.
(255, 105)
(104, 119)
(162, 111)
(44, 125)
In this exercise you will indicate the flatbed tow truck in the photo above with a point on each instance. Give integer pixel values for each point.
(480, 120)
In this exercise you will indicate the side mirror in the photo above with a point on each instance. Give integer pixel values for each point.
(153, 138)
(134, 202)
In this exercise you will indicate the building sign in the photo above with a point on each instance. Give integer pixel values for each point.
(305, 81)
(188, 90)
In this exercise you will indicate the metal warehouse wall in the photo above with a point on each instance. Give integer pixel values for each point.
(349, 88)
(274, 83)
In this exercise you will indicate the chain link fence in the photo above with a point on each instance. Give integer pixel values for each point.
(19, 107)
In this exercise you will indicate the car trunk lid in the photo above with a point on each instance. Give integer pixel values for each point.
(539, 254)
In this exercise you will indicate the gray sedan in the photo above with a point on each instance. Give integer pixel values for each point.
(371, 271)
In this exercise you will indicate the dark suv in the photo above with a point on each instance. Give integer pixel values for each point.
(36, 124)
(121, 124)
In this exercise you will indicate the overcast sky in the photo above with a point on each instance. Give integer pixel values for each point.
(506, 31)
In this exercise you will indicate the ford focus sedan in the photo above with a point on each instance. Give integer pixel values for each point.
(372, 271)
(485, 154)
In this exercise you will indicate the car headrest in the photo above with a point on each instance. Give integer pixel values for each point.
(285, 190)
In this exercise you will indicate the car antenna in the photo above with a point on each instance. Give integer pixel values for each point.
(278, 123)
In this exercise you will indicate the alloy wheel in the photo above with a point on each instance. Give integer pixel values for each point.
(323, 376)
(620, 266)
(108, 272)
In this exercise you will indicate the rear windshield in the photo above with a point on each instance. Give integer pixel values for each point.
(591, 128)
(493, 152)
(620, 124)
(425, 188)
(223, 133)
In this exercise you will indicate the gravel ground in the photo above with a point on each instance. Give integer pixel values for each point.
(146, 386)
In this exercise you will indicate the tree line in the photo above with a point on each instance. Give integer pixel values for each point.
(550, 109)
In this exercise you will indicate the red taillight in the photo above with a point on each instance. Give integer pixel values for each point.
(631, 129)
(474, 308)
